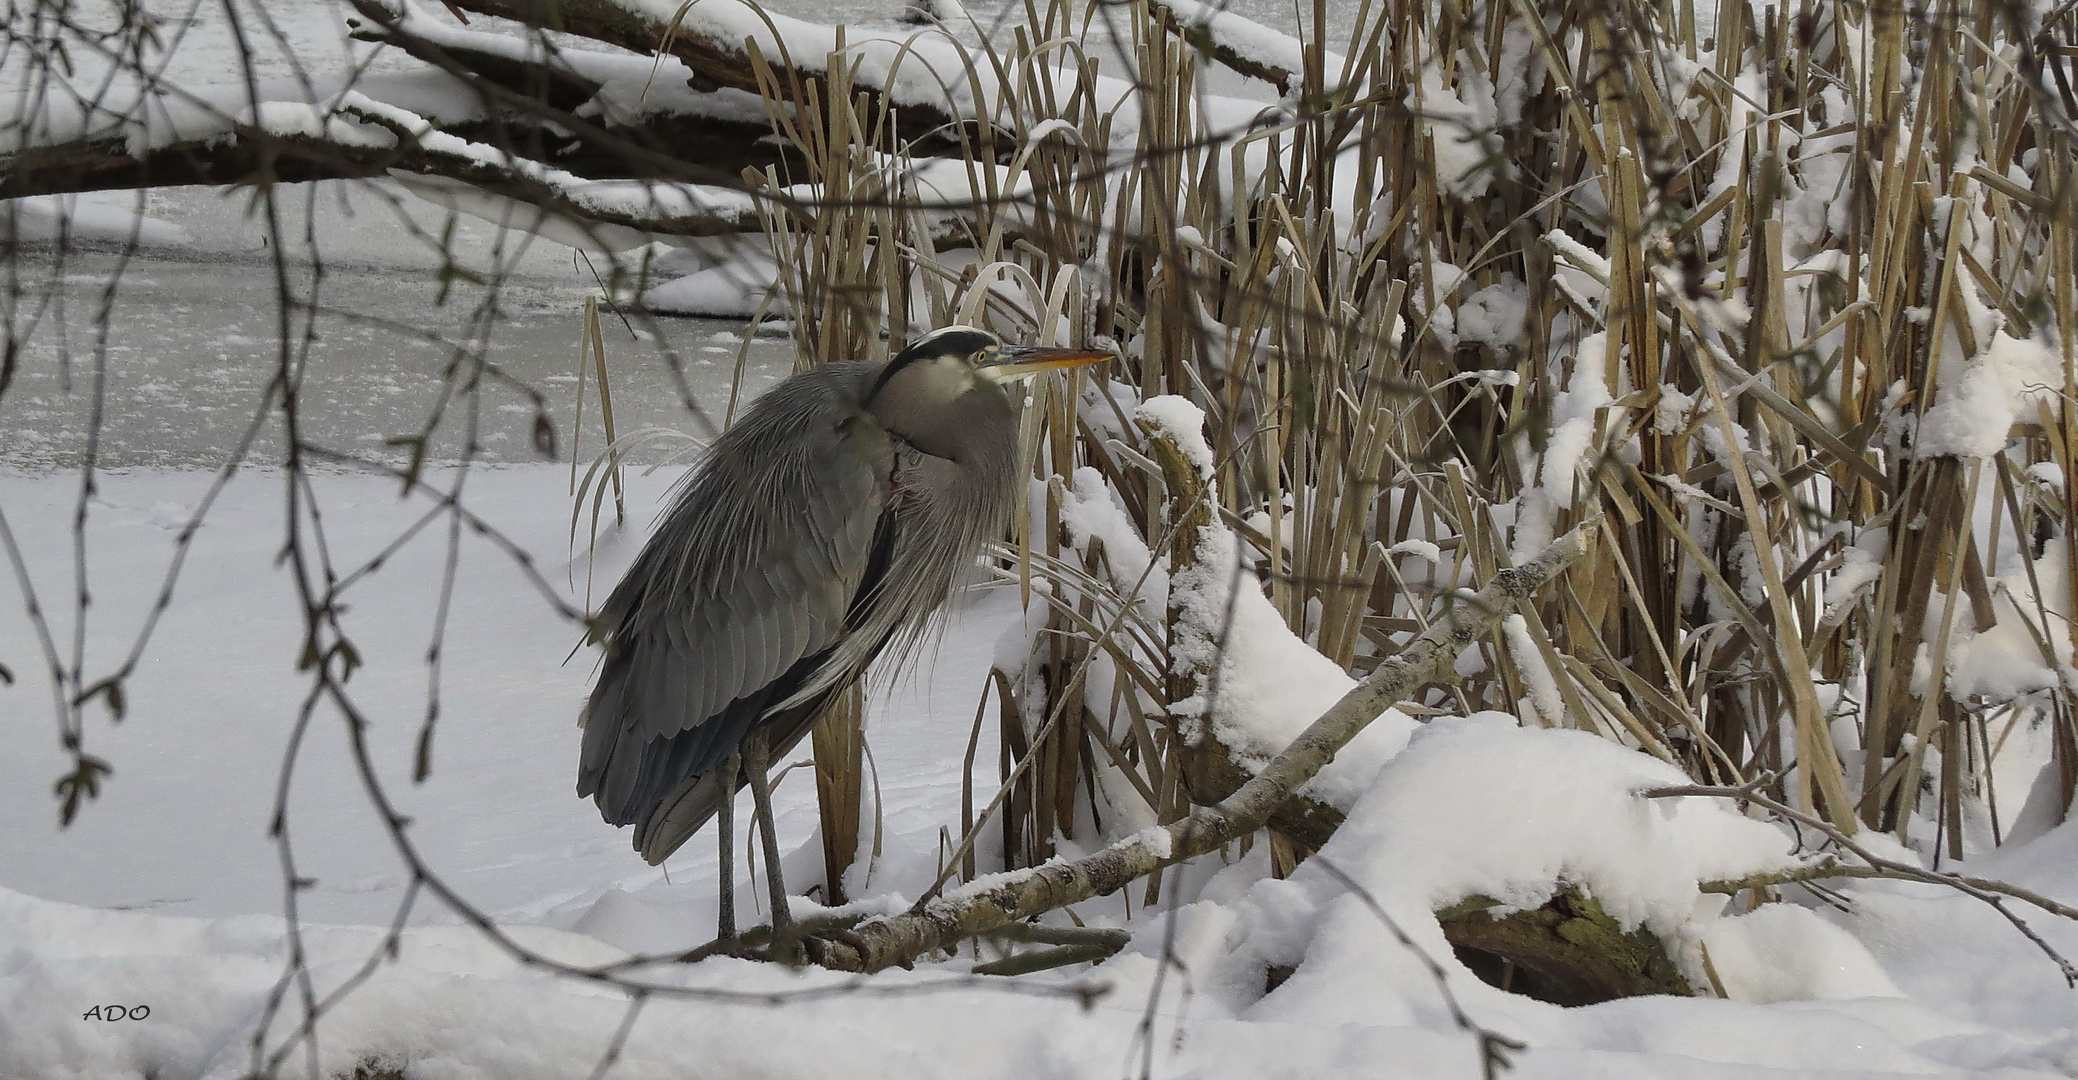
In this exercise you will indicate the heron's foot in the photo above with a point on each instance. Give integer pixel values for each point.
(815, 951)
(735, 946)
(786, 935)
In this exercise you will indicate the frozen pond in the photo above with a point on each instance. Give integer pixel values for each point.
(194, 338)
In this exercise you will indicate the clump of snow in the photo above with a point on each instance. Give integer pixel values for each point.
(2005, 660)
(1579, 270)
(1251, 40)
(1495, 315)
(351, 118)
(1544, 705)
(1090, 511)
(1861, 564)
(1670, 416)
(1156, 839)
(1577, 426)
(1422, 549)
(1460, 122)
(1980, 403)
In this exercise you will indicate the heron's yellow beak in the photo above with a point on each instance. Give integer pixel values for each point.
(1018, 361)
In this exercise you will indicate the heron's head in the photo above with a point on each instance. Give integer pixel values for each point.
(925, 391)
(984, 354)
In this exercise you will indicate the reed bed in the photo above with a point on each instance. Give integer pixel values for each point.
(1786, 296)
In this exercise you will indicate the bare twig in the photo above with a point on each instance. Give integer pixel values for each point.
(1994, 893)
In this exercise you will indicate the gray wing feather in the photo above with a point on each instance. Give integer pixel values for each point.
(751, 569)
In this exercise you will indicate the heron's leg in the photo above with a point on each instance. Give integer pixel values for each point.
(725, 920)
(757, 757)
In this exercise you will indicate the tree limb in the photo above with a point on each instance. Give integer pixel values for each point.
(105, 164)
(990, 902)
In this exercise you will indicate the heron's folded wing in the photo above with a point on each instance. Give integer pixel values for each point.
(751, 570)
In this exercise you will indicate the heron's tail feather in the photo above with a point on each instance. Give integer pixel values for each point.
(698, 798)
(680, 815)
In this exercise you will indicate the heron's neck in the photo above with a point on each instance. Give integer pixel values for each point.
(943, 409)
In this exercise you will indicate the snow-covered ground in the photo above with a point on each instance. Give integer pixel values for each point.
(167, 891)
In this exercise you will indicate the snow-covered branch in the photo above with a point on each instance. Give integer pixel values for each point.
(715, 41)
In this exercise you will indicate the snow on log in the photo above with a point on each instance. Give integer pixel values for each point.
(709, 39)
(1242, 684)
(1243, 46)
(937, 85)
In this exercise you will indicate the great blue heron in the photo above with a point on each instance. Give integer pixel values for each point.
(825, 525)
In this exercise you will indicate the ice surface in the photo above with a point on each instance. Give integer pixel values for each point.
(193, 339)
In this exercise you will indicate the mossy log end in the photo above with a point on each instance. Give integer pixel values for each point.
(1568, 952)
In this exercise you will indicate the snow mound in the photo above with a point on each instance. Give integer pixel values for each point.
(733, 289)
(1259, 685)
(1481, 807)
(1270, 685)
(102, 217)
(1779, 952)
